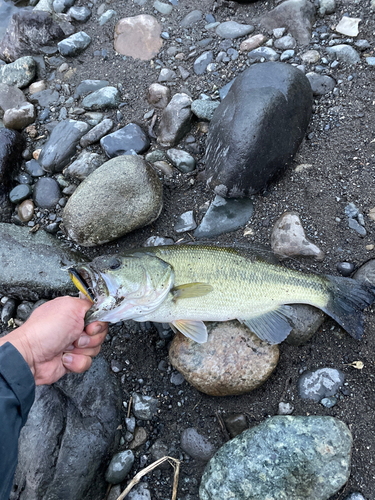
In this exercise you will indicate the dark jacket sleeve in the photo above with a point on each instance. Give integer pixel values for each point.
(17, 391)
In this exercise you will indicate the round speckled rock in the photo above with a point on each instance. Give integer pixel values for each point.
(125, 192)
(46, 193)
(283, 458)
(232, 361)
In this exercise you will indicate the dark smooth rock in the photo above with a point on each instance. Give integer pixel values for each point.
(8, 310)
(27, 32)
(236, 424)
(61, 145)
(320, 84)
(34, 169)
(125, 139)
(257, 129)
(46, 193)
(12, 144)
(25, 274)
(67, 427)
(20, 193)
(224, 216)
(283, 457)
(345, 268)
(45, 98)
(196, 445)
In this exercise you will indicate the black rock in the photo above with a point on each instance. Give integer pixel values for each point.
(257, 129)
(69, 435)
(46, 193)
(27, 32)
(34, 169)
(11, 146)
(125, 139)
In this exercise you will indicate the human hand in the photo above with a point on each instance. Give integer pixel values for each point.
(53, 341)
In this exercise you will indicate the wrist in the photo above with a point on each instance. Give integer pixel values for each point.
(20, 342)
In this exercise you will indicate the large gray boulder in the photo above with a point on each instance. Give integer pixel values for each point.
(31, 264)
(123, 194)
(69, 436)
(27, 33)
(257, 129)
(284, 458)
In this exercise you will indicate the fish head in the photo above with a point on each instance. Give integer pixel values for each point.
(123, 287)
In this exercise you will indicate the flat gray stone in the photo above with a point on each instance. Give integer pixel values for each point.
(119, 467)
(223, 216)
(320, 384)
(10, 96)
(204, 109)
(32, 264)
(193, 17)
(74, 44)
(232, 29)
(61, 145)
(320, 84)
(344, 53)
(105, 98)
(261, 54)
(45, 98)
(84, 165)
(96, 133)
(175, 121)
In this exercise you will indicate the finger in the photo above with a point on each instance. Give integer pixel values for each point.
(96, 327)
(87, 351)
(77, 363)
(86, 341)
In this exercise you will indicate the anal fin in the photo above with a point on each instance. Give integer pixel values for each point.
(272, 326)
(194, 330)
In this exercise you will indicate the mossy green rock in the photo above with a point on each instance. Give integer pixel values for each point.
(283, 458)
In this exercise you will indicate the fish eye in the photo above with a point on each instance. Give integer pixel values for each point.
(114, 263)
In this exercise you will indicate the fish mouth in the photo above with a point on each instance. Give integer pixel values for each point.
(83, 280)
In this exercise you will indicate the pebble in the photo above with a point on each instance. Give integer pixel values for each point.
(192, 18)
(310, 57)
(321, 84)
(139, 438)
(162, 7)
(175, 121)
(236, 424)
(119, 467)
(348, 26)
(263, 54)
(285, 409)
(202, 62)
(344, 53)
(185, 222)
(106, 16)
(167, 75)
(232, 361)
(288, 238)
(20, 193)
(104, 98)
(329, 402)
(182, 160)
(46, 193)
(355, 496)
(321, 383)
(60, 6)
(285, 42)
(139, 492)
(81, 14)
(177, 378)
(90, 86)
(8, 310)
(286, 55)
(252, 43)
(130, 424)
(74, 44)
(10, 97)
(196, 445)
(345, 268)
(24, 310)
(130, 137)
(204, 109)
(144, 407)
(224, 215)
(353, 224)
(45, 98)
(232, 29)
(20, 117)
(84, 165)
(158, 95)
(96, 133)
(26, 210)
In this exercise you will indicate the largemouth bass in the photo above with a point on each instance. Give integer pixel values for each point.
(189, 284)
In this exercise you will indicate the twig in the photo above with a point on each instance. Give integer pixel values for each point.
(130, 406)
(108, 491)
(222, 425)
(175, 464)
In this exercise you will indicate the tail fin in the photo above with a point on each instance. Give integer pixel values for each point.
(348, 300)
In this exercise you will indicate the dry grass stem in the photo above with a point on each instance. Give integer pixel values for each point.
(175, 464)
(130, 406)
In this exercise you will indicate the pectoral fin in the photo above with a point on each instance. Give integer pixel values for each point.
(195, 330)
(190, 290)
(273, 326)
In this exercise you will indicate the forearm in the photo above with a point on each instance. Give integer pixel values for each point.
(17, 391)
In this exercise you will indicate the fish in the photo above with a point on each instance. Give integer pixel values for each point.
(186, 285)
